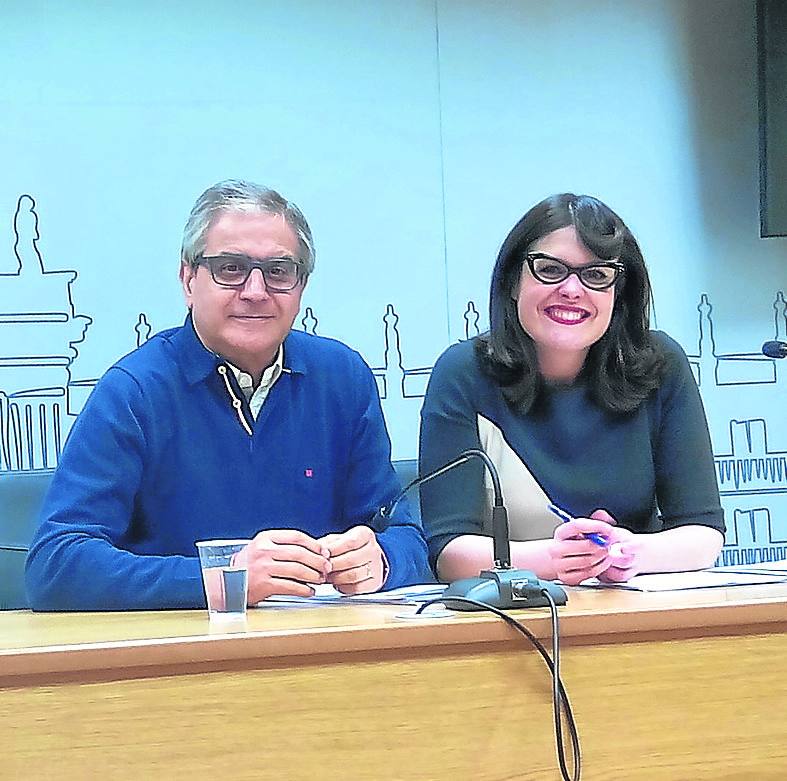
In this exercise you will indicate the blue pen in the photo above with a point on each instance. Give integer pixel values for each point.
(565, 518)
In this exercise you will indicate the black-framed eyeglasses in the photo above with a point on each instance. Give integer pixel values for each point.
(232, 270)
(594, 276)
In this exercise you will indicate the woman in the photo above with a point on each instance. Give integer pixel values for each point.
(579, 405)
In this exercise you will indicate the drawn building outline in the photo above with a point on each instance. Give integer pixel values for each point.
(40, 331)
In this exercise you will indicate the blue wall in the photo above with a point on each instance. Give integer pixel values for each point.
(413, 134)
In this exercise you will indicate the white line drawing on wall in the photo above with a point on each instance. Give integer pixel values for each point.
(471, 317)
(143, 329)
(741, 389)
(309, 321)
(410, 383)
(39, 329)
(749, 476)
(752, 538)
(734, 368)
(392, 372)
(750, 468)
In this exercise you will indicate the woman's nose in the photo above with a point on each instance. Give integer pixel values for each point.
(571, 287)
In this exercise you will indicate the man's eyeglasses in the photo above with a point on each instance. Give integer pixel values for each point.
(230, 270)
(595, 276)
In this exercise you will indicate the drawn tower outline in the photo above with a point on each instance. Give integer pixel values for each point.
(39, 331)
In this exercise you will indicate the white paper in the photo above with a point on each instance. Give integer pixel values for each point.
(680, 581)
(326, 594)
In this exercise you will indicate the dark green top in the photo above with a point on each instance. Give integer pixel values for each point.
(651, 469)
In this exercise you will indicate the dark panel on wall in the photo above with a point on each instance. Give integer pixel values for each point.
(772, 79)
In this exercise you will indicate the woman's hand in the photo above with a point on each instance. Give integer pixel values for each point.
(625, 558)
(627, 554)
(624, 551)
(576, 558)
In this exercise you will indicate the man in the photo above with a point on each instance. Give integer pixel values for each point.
(232, 426)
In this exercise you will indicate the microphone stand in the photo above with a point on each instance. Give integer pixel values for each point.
(502, 586)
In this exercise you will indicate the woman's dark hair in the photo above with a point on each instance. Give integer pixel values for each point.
(622, 367)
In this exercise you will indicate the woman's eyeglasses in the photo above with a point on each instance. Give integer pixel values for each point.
(594, 276)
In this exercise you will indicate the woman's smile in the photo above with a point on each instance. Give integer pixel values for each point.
(566, 318)
(566, 315)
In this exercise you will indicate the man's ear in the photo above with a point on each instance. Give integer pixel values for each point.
(187, 273)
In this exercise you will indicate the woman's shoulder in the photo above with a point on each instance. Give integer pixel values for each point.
(676, 366)
(673, 352)
(457, 367)
(459, 356)
(663, 340)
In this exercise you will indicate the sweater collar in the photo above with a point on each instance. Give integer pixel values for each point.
(197, 361)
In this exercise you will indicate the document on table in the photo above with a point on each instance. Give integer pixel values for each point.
(328, 595)
(763, 568)
(719, 577)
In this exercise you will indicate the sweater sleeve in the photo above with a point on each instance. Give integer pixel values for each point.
(77, 559)
(686, 487)
(451, 504)
(372, 483)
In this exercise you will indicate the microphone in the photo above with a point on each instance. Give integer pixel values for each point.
(775, 349)
(502, 586)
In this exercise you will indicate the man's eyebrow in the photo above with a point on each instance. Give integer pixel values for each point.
(254, 258)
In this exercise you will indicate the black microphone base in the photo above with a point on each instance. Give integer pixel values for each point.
(505, 589)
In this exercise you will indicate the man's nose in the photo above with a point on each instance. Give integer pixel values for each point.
(255, 286)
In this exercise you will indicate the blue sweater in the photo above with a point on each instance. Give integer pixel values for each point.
(158, 459)
(651, 469)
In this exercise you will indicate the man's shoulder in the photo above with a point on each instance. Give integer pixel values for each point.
(307, 351)
(329, 370)
(152, 358)
(151, 366)
(146, 376)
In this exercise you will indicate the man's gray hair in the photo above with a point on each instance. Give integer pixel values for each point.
(236, 195)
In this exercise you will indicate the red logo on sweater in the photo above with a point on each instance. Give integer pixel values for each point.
(308, 473)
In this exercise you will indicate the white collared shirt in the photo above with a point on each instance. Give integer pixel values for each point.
(246, 381)
(257, 397)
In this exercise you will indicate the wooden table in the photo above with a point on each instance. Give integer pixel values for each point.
(689, 685)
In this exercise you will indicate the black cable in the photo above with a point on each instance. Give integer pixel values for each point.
(559, 697)
(464, 456)
(560, 702)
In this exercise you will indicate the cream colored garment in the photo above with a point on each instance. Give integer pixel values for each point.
(525, 500)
